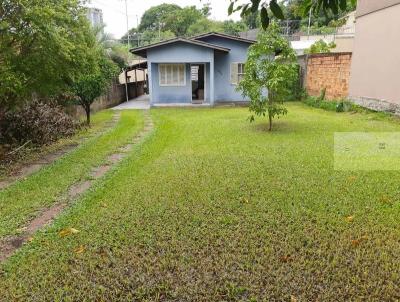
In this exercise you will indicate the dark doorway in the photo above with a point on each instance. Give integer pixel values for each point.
(198, 83)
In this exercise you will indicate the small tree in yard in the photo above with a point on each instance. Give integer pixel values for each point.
(270, 71)
(90, 86)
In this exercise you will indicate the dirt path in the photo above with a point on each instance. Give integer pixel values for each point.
(9, 245)
(47, 159)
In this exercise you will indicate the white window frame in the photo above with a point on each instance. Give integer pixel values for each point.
(240, 75)
(171, 75)
(236, 73)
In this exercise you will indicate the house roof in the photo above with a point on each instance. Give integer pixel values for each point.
(230, 37)
(141, 51)
(137, 64)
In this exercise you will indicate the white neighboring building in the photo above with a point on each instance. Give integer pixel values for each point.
(95, 16)
(300, 41)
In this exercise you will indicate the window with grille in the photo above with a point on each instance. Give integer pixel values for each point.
(172, 75)
(237, 72)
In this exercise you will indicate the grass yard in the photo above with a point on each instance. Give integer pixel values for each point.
(213, 208)
(21, 201)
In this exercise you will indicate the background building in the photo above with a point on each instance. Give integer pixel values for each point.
(95, 16)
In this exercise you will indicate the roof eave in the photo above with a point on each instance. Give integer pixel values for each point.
(142, 51)
(221, 35)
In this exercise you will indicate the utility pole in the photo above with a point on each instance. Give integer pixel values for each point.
(129, 45)
(309, 23)
(127, 23)
(137, 31)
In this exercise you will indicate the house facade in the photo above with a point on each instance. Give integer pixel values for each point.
(375, 67)
(202, 70)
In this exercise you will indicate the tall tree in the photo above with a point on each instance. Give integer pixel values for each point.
(203, 25)
(270, 70)
(179, 22)
(231, 27)
(154, 17)
(43, 45)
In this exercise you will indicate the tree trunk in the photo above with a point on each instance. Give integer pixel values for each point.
(270, 121)
(87, 110)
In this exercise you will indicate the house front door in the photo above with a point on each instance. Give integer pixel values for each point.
(197, 72)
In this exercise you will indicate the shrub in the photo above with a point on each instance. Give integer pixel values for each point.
(320, 47)
(334, 105)
(37, 122)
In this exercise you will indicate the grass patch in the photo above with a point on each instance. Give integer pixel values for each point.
(213, 208)
(21, 201)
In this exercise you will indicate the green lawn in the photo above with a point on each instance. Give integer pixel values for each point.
(21, 201)
(213, 208)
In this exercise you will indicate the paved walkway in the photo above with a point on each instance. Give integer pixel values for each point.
(141, 102)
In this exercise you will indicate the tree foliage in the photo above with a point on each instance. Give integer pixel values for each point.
(114, 50)
(167, 21)
(268, 8)
(44, 47)
(320, 46)
(181, 21)
(204, 25)
(270, 71)
(156, 15)
(90, 86)
(171, 18)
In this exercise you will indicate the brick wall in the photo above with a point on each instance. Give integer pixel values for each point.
(330, 71)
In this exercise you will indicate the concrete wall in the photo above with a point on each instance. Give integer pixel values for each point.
(369, 6)
(344, 44)
(177, 53)
(375, 69)
(224, 90)
(330, 71)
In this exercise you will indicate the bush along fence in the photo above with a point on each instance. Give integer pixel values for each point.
(327, 71)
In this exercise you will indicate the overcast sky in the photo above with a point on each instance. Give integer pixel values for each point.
(114, 11)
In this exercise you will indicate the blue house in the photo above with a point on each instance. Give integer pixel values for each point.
(201, 70)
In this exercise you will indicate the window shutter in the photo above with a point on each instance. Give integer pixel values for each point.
(234, 73)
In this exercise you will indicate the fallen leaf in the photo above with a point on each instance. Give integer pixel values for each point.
(30, 239)
(286, 258)
(355, 242)
(80, 249)
(352, 178)
(67, 232)
(104, 205)
(293, 298)
(385, 199)
(349, 218)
